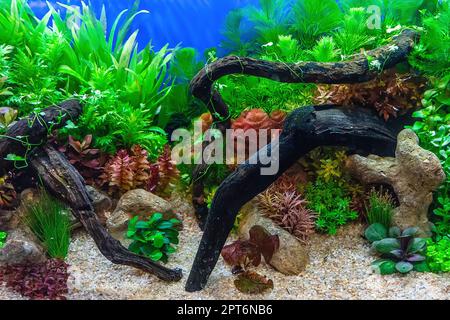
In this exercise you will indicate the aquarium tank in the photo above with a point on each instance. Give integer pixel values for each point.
(224, 150)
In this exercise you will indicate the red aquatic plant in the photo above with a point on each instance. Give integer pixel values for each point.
(129, 170)
(47, 280)
(167, 169)
(8, 194)
(390, 93)
(243, 253)
(288, 210)
(88, 161)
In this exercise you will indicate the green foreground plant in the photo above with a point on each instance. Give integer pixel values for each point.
(332, 204)
(438, 254)
(153, 238)
(400, 251)
(49, 220)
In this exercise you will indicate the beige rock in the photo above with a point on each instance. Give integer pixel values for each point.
(20, 248)
(292, 257)
(138, 203)
(414, 174)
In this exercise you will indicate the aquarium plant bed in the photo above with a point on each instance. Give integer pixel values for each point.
(305, 156)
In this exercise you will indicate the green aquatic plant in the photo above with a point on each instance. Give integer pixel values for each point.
(234, 40)
(153, 238)
(312, 19)
(34, 52)
(269, 20)
(438, 254)
(285, 49)
(354, 33)
(3, 236)
(400, 251)
(380, 208)
(330, 202)
(179, 102)
(123, 87)
(432, 54)
(325, 50)
(116, 125)
(433, 130)
(49, 220)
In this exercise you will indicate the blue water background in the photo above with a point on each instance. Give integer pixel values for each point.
(191, 23)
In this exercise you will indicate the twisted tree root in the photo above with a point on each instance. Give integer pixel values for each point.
(356, 70)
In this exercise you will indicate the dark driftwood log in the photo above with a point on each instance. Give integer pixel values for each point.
(65, 183)
(305, 129)
(352, 71)
(34, 129)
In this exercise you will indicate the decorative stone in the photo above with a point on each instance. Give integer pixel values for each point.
(138, 203)
(20, 249)
(292, 256)
(413, 174)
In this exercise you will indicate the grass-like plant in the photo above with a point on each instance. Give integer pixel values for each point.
(49, 220)
(380, 208)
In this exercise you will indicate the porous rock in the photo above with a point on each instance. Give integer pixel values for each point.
(414, 174)
(20, 248)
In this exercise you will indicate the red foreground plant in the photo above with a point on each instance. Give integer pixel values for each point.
(47, 280)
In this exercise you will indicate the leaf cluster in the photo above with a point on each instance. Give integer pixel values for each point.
(153, 238)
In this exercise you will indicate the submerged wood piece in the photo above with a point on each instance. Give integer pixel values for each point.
(32, 130)
(62, 180)
(356, 70)
(353, 71)
(305, 129)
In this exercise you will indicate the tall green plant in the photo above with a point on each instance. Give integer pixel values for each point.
(432, 54)
(380, 209)
(312, 19)
(49, 220)
(269, 19)
(36, 55)
(354, 33)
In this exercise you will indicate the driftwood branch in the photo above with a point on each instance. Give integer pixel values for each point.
(305, 129)
(32, 131)
(353, 71)
(64, 182)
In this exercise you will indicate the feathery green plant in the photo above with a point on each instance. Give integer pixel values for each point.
(324, 51)
(49, 220)
(269, 20)
(312, 19)
(234, 34)
(354, 33)
(432, 55)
